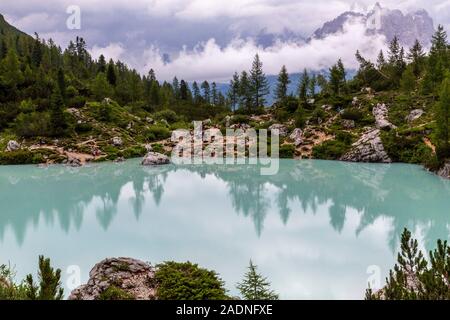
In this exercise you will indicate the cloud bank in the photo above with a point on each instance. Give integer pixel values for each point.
(210, 61)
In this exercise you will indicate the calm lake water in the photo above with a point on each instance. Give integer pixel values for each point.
(317, 229)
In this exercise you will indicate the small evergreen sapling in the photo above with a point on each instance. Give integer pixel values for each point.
(255, 287)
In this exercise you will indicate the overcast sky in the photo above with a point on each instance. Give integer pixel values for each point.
(208, 39)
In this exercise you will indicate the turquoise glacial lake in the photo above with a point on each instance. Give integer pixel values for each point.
(317, 229)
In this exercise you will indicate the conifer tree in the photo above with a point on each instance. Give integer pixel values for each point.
(102, 64)
(214, 95)
(443, 118)
(303, 86)
(416, 56)
(185, 92)
(282, 85)
(233, 93)
(62, 83)
(206, 92)
(49, 287)
(58, 120)
(255, 287)
(196, 93)
(312, 86)
(111, 74)
(258, 83)
(245, 91)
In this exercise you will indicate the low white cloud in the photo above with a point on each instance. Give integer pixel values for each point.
(113, 51)
(210, 61)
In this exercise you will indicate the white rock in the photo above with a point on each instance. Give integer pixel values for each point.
(117, 141)
(369, 148)
(12, 146)
(282, 129)
(414, 115)
(297, 136)
(155, 159)
(380, 112)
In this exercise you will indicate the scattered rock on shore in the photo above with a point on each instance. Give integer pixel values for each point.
(133, 278)
(155, 159)
(12, 146)
(444, 172)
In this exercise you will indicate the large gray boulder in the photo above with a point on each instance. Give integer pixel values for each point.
(282, 129)
(444, 172)
(133, 278)
(12, 146)
(155, 159)
(297, 137)
(369, 148)
(414, 115)
(117, 141)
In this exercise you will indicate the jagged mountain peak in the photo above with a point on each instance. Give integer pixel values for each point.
(388, 22)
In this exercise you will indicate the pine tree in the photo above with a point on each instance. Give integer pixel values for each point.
(442, 119)
(303, 86)
(214, 94)
(101, 87)
(184, 90)
(245, 91)
(155, 95)
(12, 73)
(49, 287)
(101, 64)
(282, 85)
(381, 61)
(151, 75)
(258, 83)
(3, 49)
(176, 88)
(196, 93)
(58, 121)
(312, 86)
(111, 74)
(233, 93)
(408, 81)
(206, 92)
(438, 61)
(36, 55)
(337, 78)
(416, 56)
(255, 287)
(62, 83)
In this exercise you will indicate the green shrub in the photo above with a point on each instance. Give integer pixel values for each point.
(9, 290)
(115, 293)
(240, 118)
(157, 133)
(287, 151)
(157, 147)
(281, 115)
(21, 157)
(83, 127)
(32, 124)
(134, 152)
(169, 115)
(407, 148)
(331, 150)
(187, 281)
(317, 114)
(352, 114)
